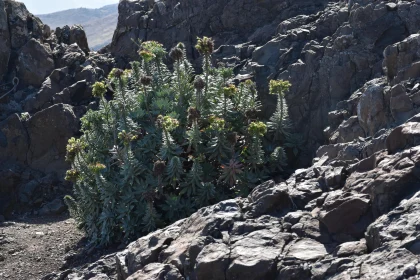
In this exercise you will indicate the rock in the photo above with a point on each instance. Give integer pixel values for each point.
(351, 248)
(5, 45)
(54, 207)
(70, 56)
(404, 136)
(157, 271)
(78, 36)
(56, 82)
(371, 109)
(212, 261)
(75, 94)
(265, 198)
(35, 63)
(307, 250)
(255, 255)
(49, 131)
(22, 24)
(387, 264)
(396, 226)
(73, 35)
(13, 140)
(399, 59)
(237, 22)
(27, 191)
(103, 269)
(341, 210)
(347, 131)
(395, 177)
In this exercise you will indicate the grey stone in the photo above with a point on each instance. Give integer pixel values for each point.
(35, 63)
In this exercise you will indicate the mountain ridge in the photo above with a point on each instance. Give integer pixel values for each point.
(99, 24)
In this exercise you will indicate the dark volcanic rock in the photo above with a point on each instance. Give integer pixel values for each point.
(229, 23)
(4, 41)
(35, 63)
(74, 34)
(55, 72)
(49, 131)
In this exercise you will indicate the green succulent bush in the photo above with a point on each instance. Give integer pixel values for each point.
(168, 143)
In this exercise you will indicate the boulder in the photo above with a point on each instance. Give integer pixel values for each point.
(341, 211)
(255, 255)
(56, 82)
(212, 261)
(54, 207)
(347, 131)
(371, 109)
(78, 36)
(351, 248)
(70, 56)
(23, 26)
(49, 131)
(399, 227)
(13, 140)
(394, 177)
(404, 136)
(307, 250)
(268, 197)
(401, 59)
(35, 63)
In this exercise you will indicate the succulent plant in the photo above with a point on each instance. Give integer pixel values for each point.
(168, 144)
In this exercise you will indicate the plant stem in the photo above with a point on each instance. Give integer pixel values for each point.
(207, 74)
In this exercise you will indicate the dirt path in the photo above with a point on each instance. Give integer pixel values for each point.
(31, 248)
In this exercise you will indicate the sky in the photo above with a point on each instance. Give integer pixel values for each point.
(38, 7)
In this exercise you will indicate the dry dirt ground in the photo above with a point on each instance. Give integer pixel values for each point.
(30, 248)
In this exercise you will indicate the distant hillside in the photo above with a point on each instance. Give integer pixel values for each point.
(99, 24)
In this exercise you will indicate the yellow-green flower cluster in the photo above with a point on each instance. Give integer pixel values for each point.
(146, 55)
(98, 89)
(205, 45)
(249, 83)
(154, 48)
(229, 91)
(72, 175)
(120, 75)
(74, 147)
(126, 137)
(97, 167)
(115, 73)
(279, 86)
(257, 129)
(168, 123)
(217, 124)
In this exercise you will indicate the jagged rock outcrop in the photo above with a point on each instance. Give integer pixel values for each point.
(55, 72)
(237, 22)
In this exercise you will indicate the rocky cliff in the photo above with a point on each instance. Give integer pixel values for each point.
(354, 213)
(47, 75)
